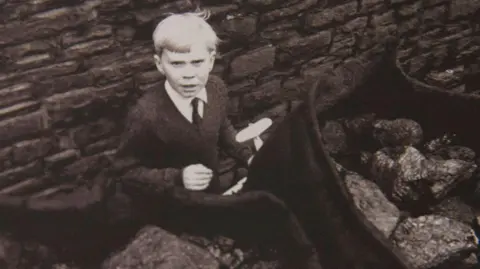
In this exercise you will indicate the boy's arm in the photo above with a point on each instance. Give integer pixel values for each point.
(130, 163)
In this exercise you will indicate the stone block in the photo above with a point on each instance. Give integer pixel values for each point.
(18, 174)
(240, 26)
(147, 15)
(264, 95)
(60, 107)
(241, 87)
(91, 132)
(30, 150)
(48, 23)
(342, 45)
(410, 9)
(15, 94)
(114, 4)
(355, 26)
(409, 26)
(263, 3)
(281, 30)
(89, 48)
(33, 61)
(124, 34)
(49, 71)
(463, 8)
(5, 158)
(329, 15)
(113, 72)
(29, 48)
(386, 18)
(304, 46)
(436, 15)
(94, 32)
(66, 83)
(19, 109)
(371, 5)
(18, 127)
(114, 91)
(253, 62)
(280, 13)
(102, 145)
(86, 165)
(148, 77)
(59, 160)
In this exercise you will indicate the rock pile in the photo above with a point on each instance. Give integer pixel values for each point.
(410, 186)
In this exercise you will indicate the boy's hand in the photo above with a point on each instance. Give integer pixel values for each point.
(196, 177)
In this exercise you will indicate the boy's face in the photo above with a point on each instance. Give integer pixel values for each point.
(188, 72)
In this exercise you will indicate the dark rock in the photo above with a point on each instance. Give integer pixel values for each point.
(30, 150)
(398, 132)
(18, 127)
(96, 31)
(91, 132)
(455, 152)
(372, 203)
(446, 79)
(253, 62)
(304, 46)
(461, 8)
(329, 15)
(360, 125)
(89, 47)
(240, 27)
(409, 176)
(66, 83)
(454, 208)
(334, 137)
(287, 11)
(154, 248)
(431, 240)
(18, 174)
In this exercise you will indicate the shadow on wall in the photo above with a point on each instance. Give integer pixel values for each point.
(68, 72)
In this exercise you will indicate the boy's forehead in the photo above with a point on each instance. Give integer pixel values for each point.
(196, 52)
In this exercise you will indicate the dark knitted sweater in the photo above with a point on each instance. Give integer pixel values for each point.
(162, 141)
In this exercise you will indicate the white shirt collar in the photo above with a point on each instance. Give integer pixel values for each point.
(180, 100)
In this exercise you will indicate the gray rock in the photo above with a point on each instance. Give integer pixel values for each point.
(334, 137)
(398, 132)
(431, 240)
(406, 175)
(455, 208)
(372, 202)
(155, 248)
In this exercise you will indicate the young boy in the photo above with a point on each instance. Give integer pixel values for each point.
(173, 132)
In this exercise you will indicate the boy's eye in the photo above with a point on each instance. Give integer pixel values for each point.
(176, 63)
(197, 62)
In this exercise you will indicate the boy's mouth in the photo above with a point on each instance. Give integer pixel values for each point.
(189, 86)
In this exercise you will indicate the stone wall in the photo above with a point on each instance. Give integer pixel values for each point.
(68, 71)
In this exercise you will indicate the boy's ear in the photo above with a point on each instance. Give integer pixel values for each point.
(158, 63)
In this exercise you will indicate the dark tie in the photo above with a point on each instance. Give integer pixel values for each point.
(196, 119)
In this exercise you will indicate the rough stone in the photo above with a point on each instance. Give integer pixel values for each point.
(459, 8)
(334, 14)
(454, 208)
(66, 83)
(61, 106)
(371, 201)
(410, 9)
(240, 27)
(148, 77)
(21, 126)
(96, 31)
(371, 5)
(253, 62)
(435, 15)
(5, 158)
(112, 73)
(59, 160)
(156, 248)
(382, 19)
(17, 174)
(30, 150)
(334, 137)
(428, 241)
(15, 94)
(262, 3)
(287, 11)
(91, 132)
(398, 132)
(263, 95)
(304, 46)
(356, 25)
(46, 24)
(102, 145)
(89, 48)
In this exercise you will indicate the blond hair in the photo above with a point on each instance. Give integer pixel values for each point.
(179, 32)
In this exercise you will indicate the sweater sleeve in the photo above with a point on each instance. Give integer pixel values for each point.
(227, 141)
(131, 163)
